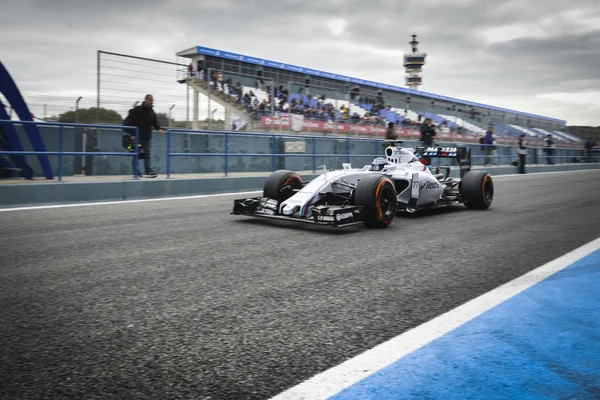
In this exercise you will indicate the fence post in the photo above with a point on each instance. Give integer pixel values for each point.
(274, 151)
(137, 153)
(348, 150)
(226, 154)
(60, 149)
(314, 154)
(168, 154)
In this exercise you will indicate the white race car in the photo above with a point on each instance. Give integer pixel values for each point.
(372, 195)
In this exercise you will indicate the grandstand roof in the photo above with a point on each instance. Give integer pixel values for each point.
(190, 52)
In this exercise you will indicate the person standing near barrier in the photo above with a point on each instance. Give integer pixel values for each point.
(522, 151)
(488, 144)
(549, 148)
(144, 118)
(427, 135)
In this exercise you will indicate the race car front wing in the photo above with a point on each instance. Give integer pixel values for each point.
(330, 215)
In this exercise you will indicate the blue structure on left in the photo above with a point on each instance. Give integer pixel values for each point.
(12, 94)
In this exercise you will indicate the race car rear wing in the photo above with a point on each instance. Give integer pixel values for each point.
(461, 154)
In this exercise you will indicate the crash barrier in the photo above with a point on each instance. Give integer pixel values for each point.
(94, 150)
(75, 145)
(260, 152)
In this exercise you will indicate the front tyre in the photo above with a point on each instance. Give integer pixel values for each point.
(377, 195)
(477, 190)
(280, 185)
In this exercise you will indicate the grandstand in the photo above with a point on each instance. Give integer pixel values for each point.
(259, 94)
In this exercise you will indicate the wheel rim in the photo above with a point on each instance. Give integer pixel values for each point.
(386, 202)
(488, 190)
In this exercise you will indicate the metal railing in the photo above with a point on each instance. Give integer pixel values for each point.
(504, 154)
(61, 153)
(370, 148)
(273, 154)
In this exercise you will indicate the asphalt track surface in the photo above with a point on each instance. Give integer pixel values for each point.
(180, 299)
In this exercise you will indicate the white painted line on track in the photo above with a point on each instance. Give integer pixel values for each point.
(107, 203)
(200, 196)
(342, 376)
(536, 174)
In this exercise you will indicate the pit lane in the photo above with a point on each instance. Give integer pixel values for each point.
(179, 299)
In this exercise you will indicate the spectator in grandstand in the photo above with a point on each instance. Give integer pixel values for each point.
(215, 78)
(144, 118)
(488, 144)
(220, 79)
(522, 151)
(201, 70)
(549, 149)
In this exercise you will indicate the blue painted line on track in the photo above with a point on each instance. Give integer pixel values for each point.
(543, 343)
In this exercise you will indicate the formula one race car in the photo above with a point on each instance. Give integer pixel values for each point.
(398, 182)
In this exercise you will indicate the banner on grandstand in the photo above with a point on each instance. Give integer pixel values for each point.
(297, 122)
(406, 133)
(284, 122)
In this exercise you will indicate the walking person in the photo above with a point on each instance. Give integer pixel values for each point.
(144, 118)
(488, 143)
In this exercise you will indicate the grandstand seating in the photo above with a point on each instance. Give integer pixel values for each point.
(360, 113)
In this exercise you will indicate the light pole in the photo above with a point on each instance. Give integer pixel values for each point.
(77, 110)
(170, 115)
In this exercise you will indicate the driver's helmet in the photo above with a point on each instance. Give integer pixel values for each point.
(379, 163)
(399, 155)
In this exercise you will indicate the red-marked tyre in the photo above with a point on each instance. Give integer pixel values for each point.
(477, 190)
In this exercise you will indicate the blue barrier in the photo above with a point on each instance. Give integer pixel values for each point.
(61, 153)
(502, 155)
(274, 154)
(265, 151)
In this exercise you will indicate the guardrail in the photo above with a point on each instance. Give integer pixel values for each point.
(226, 154)
(508, 151)
(504, 155)
(61, 153)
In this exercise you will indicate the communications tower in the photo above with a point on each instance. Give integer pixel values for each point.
(413, 62)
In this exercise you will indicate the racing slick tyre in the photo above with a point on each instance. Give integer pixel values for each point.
(280, 185)
(477, 190)
(377, 195)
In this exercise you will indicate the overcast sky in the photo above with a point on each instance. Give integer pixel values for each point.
(537, 56)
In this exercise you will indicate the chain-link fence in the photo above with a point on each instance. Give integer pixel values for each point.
(123, 81)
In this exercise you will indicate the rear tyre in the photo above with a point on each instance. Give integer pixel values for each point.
(377, 195)
(280, 185)
(477, 190)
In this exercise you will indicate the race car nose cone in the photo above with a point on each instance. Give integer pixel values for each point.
(289, 209)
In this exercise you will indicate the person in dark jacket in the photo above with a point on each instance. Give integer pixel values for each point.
(390, 132)
(488, 143)
(427, 132)
(522, 151)
(144, 118)
(427, 135)
(549, 148)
